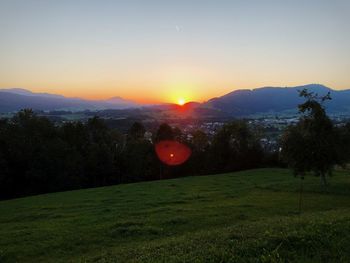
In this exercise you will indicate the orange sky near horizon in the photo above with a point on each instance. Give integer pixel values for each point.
(146, 95)
(151, 93)
(166, 93)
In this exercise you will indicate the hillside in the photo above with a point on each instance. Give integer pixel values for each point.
(249, 216)
(276, 100)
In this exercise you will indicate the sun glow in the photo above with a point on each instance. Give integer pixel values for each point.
(181, 101)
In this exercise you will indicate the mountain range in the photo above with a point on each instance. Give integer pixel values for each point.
(276, 100)
(242, 102)
(16, 99)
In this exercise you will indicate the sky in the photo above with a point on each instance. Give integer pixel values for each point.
(163, 51)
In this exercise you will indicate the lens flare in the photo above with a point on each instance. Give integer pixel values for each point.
(172, 152)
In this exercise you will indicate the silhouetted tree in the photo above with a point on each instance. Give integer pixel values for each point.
(139, 162)
(136, 132)
(344, 143)
(200, 141)
(312, 144)
(164, 132)
(235, 147)
(198, 162)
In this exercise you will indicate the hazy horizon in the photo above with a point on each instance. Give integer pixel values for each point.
(160, 102)
(163, 51)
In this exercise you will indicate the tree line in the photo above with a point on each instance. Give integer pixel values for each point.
(37, 156)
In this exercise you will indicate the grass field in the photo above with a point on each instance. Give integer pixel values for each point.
(249, 216)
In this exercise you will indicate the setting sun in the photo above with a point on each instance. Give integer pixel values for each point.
(181, 101)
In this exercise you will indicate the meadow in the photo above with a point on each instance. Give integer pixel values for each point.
(248, 216)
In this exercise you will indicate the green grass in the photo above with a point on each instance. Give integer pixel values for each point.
(249, 216)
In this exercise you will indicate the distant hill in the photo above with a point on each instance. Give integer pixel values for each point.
(16, 99)
(276, 100)
(25, 92)
(239, 103)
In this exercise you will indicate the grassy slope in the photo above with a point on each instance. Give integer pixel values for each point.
(244, 216)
